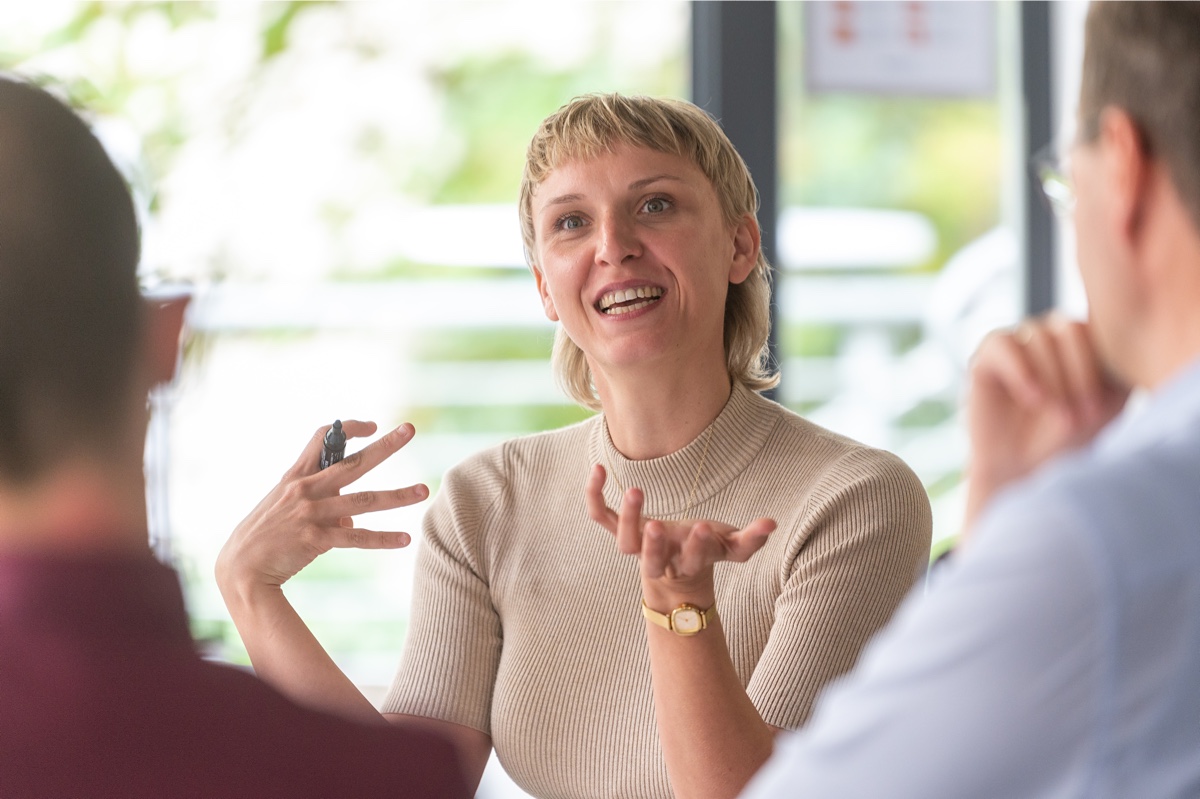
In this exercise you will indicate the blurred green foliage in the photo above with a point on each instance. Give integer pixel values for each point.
(939, 157)
(809, 340)
(497, 104)
(482, 344)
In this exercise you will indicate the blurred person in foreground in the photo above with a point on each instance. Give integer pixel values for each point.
(554, 628)
(1060, 655)
(102, 692)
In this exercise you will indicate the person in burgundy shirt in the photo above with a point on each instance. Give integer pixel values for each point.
(102, 693)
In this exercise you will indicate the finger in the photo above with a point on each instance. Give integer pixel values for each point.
(1044, 354)
(654, 550)
(309, 460)
(742, 544)
(629, 523)
(360, 538)
(345, 521)
(369, 501)
(1101, 395)
(1084, 373)
(1002, 360)
(594, 496)
(357, 464)
(700, 550)
(353, 428)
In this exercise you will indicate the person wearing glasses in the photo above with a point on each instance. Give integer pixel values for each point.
(1058, 653)
(568, 610)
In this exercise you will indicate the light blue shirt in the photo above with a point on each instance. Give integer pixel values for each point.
(1058, 657)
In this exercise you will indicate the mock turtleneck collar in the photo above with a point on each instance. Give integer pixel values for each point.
(738, 434)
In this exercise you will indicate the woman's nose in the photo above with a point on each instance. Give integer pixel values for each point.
(617, 240)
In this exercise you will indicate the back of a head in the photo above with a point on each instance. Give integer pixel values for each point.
(70, 311)
(1144, 57)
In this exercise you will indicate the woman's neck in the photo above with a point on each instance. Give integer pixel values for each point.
(652, 415)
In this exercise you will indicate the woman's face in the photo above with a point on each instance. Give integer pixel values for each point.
(634, 258)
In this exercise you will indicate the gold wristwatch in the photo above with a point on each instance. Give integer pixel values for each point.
(683, 620)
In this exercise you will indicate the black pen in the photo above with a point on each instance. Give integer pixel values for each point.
(335, 445)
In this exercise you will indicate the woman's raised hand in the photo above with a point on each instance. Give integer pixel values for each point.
(676, 552)
(306, 514)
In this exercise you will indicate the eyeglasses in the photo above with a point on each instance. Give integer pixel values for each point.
(1050, 165)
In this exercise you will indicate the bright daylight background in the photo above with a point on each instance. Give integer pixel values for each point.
(337, 182)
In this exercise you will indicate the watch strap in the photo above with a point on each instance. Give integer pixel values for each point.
(666, 620)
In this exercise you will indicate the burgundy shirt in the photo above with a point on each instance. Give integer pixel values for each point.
(102, 694)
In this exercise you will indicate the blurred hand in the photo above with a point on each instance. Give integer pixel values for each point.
(306, 515)
(1035, 392)
(677, 557)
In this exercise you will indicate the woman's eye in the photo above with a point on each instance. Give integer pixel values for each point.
(656, 205)
(570, 222)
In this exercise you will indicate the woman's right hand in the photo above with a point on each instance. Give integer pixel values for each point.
(306, 515)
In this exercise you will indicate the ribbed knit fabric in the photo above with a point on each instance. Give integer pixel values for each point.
(526, 620)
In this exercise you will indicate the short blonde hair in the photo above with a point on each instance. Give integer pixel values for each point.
(595, 123)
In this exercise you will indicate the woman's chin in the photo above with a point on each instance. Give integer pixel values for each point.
(641, 360)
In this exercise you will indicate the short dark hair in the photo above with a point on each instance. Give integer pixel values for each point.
(1144, 57)
(70, 309)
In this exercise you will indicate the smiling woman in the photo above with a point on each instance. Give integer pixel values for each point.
(752, 553)
(617, 228)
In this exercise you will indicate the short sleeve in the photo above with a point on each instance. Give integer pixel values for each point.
(857, 550)
(452, 650)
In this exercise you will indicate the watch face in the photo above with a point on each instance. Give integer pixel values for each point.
(686, 621)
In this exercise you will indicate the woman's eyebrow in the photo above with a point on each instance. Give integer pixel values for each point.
(644, 182)
(563, 199)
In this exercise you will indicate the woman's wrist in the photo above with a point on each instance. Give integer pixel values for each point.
(664, 594)
(240, 589)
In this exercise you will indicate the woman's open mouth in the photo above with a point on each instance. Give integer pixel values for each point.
(625, 301)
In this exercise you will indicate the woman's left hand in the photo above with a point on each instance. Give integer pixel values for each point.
(678, 555)
(711, 748)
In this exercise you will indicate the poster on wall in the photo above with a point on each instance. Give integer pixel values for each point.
(901, 48)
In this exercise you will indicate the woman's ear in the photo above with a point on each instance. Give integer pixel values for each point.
(544, 292)
(747, 242)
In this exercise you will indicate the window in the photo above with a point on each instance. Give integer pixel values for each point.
(898, 243)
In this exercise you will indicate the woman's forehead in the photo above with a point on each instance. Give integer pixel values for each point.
(635, 159)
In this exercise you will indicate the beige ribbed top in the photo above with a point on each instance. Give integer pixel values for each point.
(526, 621)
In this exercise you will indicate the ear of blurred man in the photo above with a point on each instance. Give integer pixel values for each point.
(163, 334)
(1138, 249)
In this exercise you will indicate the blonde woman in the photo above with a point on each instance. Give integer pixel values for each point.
(600, 654)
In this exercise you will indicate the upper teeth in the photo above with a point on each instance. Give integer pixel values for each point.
(625, 295)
